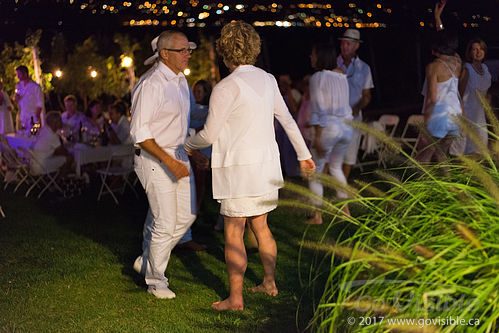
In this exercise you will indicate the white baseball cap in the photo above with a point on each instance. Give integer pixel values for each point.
(154, 47)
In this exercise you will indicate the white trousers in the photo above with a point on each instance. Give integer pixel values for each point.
(172, 205)
(335, 139)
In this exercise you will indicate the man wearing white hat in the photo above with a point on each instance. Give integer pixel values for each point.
(186, 242)
(160, 115)
(360, 83)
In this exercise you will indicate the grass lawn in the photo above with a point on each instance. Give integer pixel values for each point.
(66, 266)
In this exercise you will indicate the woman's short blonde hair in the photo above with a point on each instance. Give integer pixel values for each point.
(239, 44)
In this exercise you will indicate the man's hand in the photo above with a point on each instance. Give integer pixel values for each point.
(355, 111)
(178, 168)
(307, 168)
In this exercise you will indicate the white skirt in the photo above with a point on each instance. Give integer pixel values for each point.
(249, 206)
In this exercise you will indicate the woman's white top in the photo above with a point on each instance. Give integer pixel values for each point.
(473, 109)
(329, 97)
(240, 125)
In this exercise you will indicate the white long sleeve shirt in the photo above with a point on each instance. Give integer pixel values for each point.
(240, 125)
(160, 107)
(328, 97)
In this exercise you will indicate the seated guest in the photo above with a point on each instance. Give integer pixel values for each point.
(95, 120)
(71, 118)
(48, 151)
(119, 129)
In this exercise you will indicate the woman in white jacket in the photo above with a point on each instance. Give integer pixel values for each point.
(245, 158)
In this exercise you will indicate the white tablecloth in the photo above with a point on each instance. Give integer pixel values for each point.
(85, 154)
(20, 140)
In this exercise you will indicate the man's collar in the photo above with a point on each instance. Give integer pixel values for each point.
(169, 74)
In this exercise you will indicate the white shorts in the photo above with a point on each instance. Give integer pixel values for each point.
(249, 206)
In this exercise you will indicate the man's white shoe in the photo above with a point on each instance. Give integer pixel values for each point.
(137, 265)
(163, 292)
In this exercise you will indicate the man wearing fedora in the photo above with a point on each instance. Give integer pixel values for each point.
(360, 83)
(160, 119)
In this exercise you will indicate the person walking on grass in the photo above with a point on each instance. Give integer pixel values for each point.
(160, 120)
(329, 111)
(360, 83)
(245, 159)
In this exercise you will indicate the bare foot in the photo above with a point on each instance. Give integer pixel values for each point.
(227, 305)
(269, 289)
(315, 219)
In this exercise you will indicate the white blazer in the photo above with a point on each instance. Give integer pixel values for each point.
(240, 125)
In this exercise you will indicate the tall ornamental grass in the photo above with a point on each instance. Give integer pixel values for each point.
(421, 253)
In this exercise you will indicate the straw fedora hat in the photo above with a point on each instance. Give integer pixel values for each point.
(351, 34)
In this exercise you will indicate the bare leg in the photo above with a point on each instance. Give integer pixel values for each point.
(268, 253)
(442, 153)
(236, 261)
(425, 150)
(346, 169)
(251, 238)
(315, 219)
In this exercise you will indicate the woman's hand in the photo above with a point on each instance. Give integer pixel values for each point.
(307, 168)
(439, 8)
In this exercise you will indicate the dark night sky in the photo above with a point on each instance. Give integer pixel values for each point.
(389, 50)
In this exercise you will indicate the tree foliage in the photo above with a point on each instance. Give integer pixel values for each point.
(16, 55)
(200, 63)
(77, 80)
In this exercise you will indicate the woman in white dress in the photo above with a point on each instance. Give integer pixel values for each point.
(441, 96)
(245, 158)
(329, 105)
(475, 79)
(6, 123)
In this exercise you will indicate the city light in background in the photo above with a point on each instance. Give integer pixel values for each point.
(58, 73)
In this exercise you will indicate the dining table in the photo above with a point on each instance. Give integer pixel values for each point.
(86, 154)
(83, 153)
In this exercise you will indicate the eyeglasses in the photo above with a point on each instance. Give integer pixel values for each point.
(183, 51)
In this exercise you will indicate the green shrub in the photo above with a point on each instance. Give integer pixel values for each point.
(423, 248)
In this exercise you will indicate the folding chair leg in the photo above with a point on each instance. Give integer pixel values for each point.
(33, 186)
(23, 179)
(51, 181)
(104, 185)
(103, 180)
(111, 192)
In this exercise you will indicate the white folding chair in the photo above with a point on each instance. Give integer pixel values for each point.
(119, 166)
(389, 123)
(17, 167)
(410, 134)
(46, 179)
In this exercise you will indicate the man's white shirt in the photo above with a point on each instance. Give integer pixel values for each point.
(160, 107)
